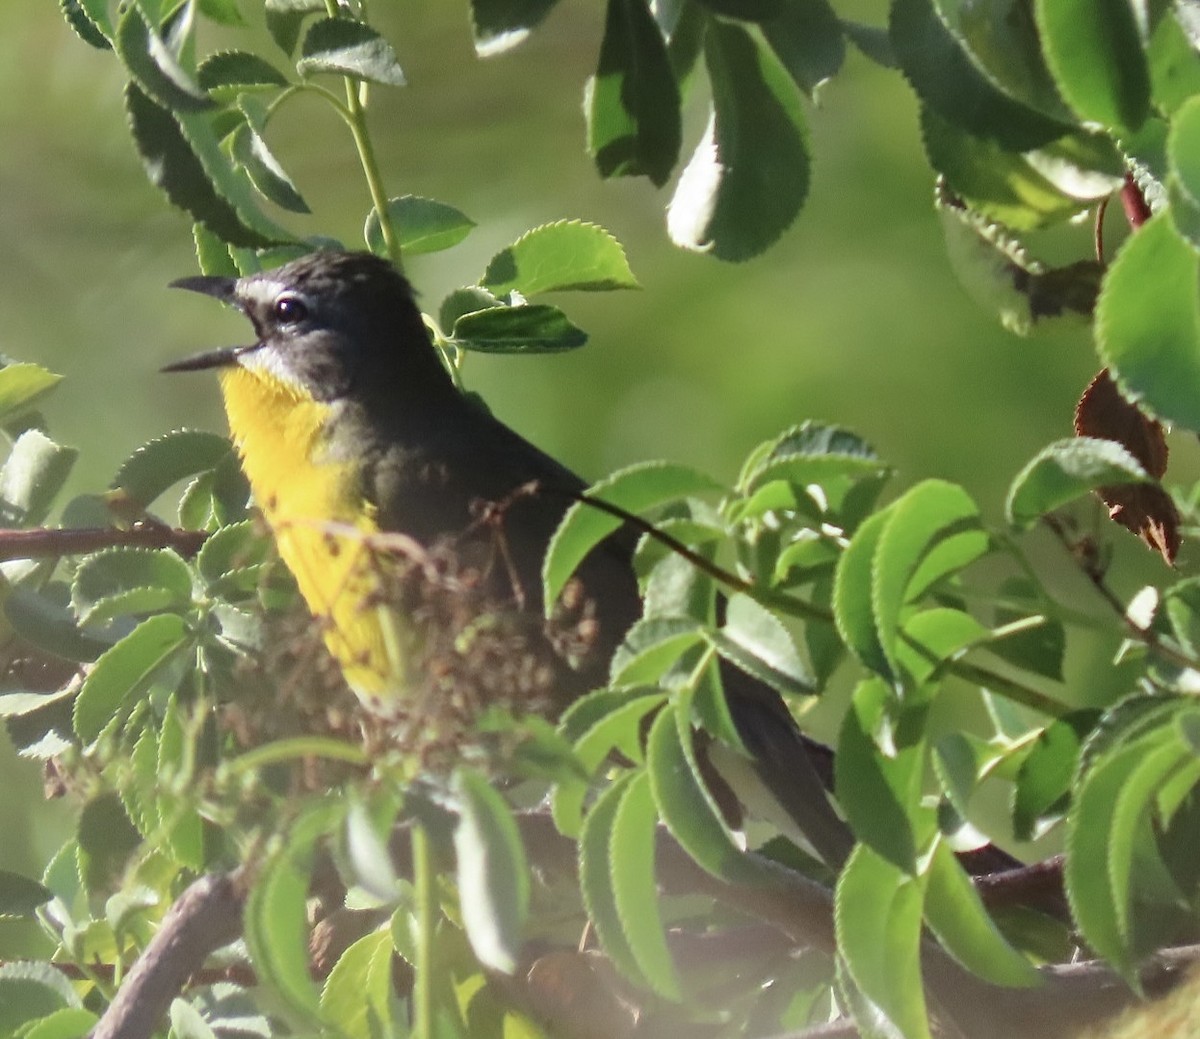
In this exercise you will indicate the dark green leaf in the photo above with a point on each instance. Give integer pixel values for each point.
(947, 80)
(632, 102)
(120, 581)
(1044, 778)
(345, 47)
(160, 464)
(634, 886)
(808, 38)
(462, 301)
(20, 896)
(285, 19)
(493, 874)
(502, 24)
(878, 771)
(181, 156)
(233, 551)
(1065, 470)
(635, 489)
(877, 915)
(1097, 53)
(748, 177)
(238, 70)
(873, 42)
(535, 328)
(747, 10)
(106, 841)
(265, 171)
(125, 669)
(224, 12)
(568, 254)
(46, 619)
(155, 69)
(424, 225)
(79, 16)
(811, 453)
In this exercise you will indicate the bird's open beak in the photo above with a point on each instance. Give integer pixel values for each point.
(218, 288)
(208, 285)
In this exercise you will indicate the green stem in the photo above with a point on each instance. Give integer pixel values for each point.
(370, 168)
(424, 885)
(293, 748)
(1009, 688)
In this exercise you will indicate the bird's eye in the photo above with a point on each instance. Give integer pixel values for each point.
(290, 309)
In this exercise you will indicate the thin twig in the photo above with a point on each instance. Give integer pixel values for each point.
(42, 542)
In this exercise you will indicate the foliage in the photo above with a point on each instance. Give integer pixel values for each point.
(168, 681)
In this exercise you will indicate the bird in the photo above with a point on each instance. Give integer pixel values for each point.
(348, 425)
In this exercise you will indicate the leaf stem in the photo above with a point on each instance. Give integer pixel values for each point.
(370, 167)
(424, 880)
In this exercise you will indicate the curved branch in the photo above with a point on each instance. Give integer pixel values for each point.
(205, 917)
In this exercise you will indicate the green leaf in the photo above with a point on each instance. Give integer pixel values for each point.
(930, 637)
(265, 171)
(595, 879)
(998, 273)
(957, 915)
(878, 771)
(748, 10)
(155, 69)
(181, 156)
(748, 177)
(634, 489)
(160, 464)
(285, 18)
(120, 581)
(1044, 777)
(1148, 323)
(1096, 51)
(29, 991)
(652, 647)
(634, 886)
(877, 917)
(1183, 154)
(500, 25)
(23, 384)
(688, 809)
(20, 896)
(853, 601)
(358, 991)
(493, 874)
(188, 1023)
(68, 1023)
(810, 453)
(756, 641)
(632, 102)
(1174, 67)
(424, 225)
(236, 70)
(1065, 470)
(534, 328)
(567, 254)
(1002, 185)
(809, 39)
(276, 918)
(948, 81)
(47, 621)
(345, 47)
(618, 728)
(32, 476)
(123, 670)
(467, 300)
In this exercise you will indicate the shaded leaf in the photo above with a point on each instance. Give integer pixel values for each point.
(238, 70)
(20, 896)
(424, 225)
(156, 70)
(127, 580)
(502, 24)
(535, 328)
(161, 463)
(345, 47)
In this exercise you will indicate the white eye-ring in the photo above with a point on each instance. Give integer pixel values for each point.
(289, 308)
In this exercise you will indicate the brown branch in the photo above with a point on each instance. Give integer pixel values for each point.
(1024, 885)
(41, 542)
(205, 917)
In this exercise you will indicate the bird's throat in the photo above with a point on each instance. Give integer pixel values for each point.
(322, 526)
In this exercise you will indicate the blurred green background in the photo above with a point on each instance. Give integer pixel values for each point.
(854, 317)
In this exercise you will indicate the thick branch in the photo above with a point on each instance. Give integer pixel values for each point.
(206, 916)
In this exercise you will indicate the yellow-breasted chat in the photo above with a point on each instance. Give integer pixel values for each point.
(348, 424)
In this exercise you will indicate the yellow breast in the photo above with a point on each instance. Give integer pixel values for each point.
(309, 502)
